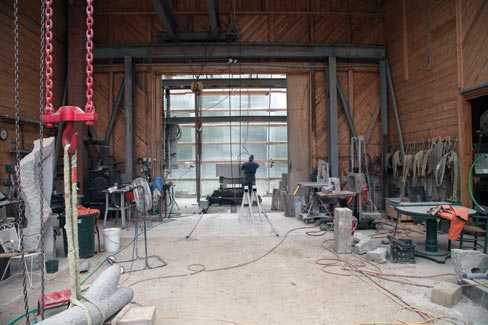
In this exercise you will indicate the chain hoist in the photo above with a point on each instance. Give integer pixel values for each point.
(41, 153)
(89, 58)
(20, 209)
(70, 115)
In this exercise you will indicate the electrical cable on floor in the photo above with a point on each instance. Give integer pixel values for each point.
(363, 270)
(203, 268)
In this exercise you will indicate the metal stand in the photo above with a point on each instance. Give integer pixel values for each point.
(135, 249)
(250, 197)
(196, 224)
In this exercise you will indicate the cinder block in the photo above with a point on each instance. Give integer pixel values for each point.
(365, 245)
(138, 316)
(378, 255)
(446, 294)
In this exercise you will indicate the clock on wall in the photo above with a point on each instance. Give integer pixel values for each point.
(3, 134)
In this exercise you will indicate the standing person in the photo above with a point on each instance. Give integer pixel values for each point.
(249, 170)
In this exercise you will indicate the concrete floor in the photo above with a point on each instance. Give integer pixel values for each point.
(284, 287)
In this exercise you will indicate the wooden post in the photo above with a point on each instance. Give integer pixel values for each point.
(298, 101)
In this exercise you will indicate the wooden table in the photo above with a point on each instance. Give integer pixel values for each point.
(419, 210)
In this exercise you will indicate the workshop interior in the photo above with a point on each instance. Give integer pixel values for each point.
(244, 162)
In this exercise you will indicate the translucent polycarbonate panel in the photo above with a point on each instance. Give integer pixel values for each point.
(278, 133)
(231, 142)
(278, 151)
(186, 153)
(278, 169)
(182, 172)
(187, 135)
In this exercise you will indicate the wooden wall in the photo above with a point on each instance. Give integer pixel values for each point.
(474, 40)
(29, 54)
(361, 90)
(334, 21)
(426, 94)
(435, 48)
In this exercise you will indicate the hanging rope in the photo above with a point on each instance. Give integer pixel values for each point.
(17, 159)
(69, 115)
(41, 154)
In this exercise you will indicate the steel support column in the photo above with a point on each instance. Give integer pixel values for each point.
(333, 145)
(108, 132)
(213, 14)
(166, 16)
(345, 106)
(395, 109)
(129, 118)
(384, 122)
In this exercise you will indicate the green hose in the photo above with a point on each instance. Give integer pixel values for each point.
(470, 185)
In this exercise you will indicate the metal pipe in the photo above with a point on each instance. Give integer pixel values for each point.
(395, 108)
(333, 150)
(345, 106)
(195, 224)
(108, 132)
(129, 119)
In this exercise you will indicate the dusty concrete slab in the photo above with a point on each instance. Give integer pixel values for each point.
(284, 287)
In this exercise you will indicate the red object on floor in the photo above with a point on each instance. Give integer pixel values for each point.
(58, 298)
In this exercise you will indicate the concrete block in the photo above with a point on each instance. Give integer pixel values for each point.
(365, 245)
(358, 237)
(446, 294)
(378, 255)
(276, 200)
(292, 205)
(467, 261)
(342, 230)
(139, 316)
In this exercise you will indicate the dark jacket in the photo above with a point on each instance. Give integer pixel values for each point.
(249, 170)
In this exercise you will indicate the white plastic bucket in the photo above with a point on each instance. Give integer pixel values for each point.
(111, 239)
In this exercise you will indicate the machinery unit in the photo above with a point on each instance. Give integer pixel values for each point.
(99, 180)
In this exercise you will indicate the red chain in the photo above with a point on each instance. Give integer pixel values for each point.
(49, 58)
(89, 57)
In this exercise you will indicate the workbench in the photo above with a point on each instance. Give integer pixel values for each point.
(307, 206)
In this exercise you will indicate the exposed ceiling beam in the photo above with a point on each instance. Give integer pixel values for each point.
(224, 51)
(195, 37)
(166, 16)
(213, 14)
(226, 119)
(226, 83)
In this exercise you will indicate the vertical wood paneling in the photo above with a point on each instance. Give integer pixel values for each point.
(329, 29)
(427, 100)
(29, 53)
(366, 100)
(474, 34)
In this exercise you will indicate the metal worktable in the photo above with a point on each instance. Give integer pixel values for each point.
(419, 210)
